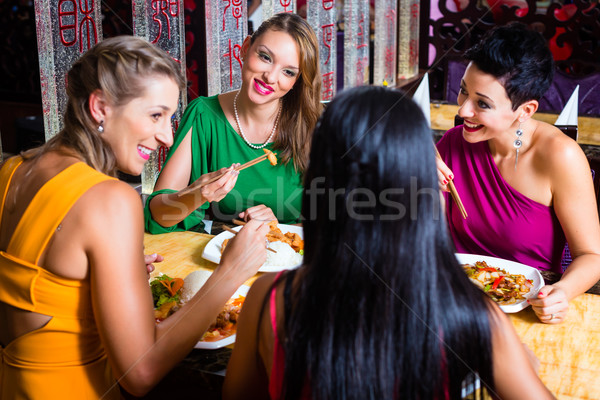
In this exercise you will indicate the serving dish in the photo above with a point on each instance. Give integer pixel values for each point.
(217, 344)
(513, 268)
(212, 251)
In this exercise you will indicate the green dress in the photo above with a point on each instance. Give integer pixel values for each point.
(215, 144)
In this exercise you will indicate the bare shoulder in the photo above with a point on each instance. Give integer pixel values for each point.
(260, 288)
(553, 145)
(110, 205)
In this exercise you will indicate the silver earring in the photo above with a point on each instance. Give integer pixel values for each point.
(100, 127)
(518, 143)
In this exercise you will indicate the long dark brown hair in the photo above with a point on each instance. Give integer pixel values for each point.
(301, 106)
(380, 309)
(120, 68)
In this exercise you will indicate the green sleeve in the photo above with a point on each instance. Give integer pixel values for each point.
(192, 222)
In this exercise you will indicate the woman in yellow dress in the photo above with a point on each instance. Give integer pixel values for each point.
(76, 312)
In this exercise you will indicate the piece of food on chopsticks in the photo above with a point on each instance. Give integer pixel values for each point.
(503, 287)
(271, 157)
(165, 294)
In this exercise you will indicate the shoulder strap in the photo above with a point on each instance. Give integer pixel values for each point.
(49, 207)
(6, 174)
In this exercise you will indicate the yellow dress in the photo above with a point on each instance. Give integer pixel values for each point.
(65, 358)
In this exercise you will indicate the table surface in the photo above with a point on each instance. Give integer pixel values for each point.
(569, 352)
(442, 119)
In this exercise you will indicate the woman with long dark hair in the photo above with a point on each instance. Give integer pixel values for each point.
(380, 309)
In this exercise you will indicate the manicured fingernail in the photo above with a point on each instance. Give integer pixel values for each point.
(445, 182)
(451, 177)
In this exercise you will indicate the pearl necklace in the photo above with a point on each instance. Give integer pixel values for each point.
(237, 120)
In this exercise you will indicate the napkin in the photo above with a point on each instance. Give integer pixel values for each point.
(568, 116)
(421, 97)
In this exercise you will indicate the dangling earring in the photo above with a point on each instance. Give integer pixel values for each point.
(100, 127)
(518, 143)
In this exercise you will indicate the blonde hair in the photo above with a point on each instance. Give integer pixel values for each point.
(301, 106)
(119, 67)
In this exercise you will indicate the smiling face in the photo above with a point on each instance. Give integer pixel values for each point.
(139, 127)
(485, 107)
(271, 66)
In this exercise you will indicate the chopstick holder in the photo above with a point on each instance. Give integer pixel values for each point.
(453, 191)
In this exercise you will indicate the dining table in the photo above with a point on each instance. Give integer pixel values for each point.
(569, 352)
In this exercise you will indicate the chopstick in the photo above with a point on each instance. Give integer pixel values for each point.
(239, 168)
(453, 191)
(228, 229)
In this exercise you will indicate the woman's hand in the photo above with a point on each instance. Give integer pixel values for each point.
(259, 212)
(152, 258)
(444, 174)
(247, 251)
(551, 305)
(217, 190)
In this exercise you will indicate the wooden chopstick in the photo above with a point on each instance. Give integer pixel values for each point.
(228, 229)
(239, 168)
(453, 191)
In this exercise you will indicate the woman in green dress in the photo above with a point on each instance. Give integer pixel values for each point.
(276, 109)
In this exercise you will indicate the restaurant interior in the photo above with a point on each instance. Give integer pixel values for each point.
(569, 352)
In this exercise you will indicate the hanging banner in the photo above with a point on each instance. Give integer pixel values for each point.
(226, 29)
(161, 22)
(356, 43)
(322, 16)
(385, 56)
(65, 29)
(408, 38)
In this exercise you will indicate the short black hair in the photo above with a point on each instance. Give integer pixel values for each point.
(519, 58)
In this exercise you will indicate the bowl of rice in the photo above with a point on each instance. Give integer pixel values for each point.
(285, 258)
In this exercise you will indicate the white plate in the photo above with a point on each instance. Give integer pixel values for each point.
(242, 291)
(212, 251)
(512, 267)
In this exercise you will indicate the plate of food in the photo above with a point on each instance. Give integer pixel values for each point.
(170, 294)
(508, 283)
(287, 241)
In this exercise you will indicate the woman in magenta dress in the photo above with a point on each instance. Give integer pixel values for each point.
(526, 186)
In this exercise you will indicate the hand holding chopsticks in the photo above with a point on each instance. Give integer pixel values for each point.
(228, 229)
(269, 155)
(453, 191)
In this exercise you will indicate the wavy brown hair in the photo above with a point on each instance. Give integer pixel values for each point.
(301, 106)
(120, 68)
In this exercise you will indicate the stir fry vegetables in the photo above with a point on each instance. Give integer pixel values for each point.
(165, 293)
(503, 287)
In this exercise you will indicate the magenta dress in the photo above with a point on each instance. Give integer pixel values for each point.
(501, 222)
